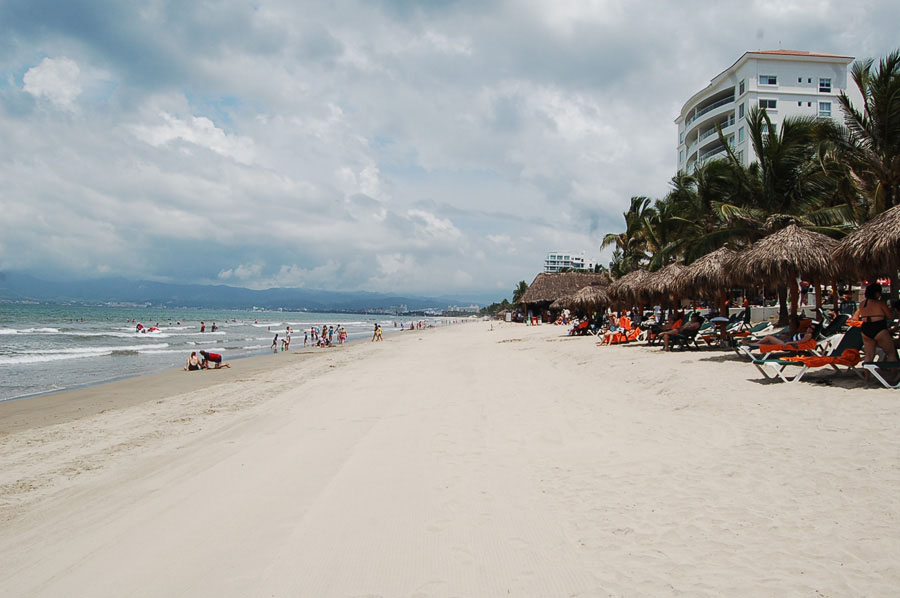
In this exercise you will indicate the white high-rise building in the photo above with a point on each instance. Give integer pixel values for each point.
(784, 82)
(561, 260)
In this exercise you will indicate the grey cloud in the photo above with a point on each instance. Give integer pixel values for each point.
(386, 146)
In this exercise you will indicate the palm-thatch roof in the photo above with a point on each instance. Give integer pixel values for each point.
(708, 274)
(873, 248)
(664, 282)
(591, 297)
(550, 286)
(563, 302)
(785, 255)
(629, 286)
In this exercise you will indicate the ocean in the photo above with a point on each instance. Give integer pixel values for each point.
(47, 348)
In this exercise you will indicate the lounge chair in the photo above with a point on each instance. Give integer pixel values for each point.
(810, 347)
(832, 333)
(688, 340)
(581, 329)
(846, 354)
(873, 368)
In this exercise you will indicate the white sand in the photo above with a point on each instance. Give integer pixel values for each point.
(463, 462)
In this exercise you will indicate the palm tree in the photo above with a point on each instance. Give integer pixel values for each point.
(519, 291)
(873, 142)
(631, 243)
(788, 184)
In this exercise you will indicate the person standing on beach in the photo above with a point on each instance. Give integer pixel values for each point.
(375, 333)
(305, 337)
(202, 327)
(274, 346)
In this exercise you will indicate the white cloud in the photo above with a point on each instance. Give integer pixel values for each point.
(360, 145)
(198, 130)
(55, 79)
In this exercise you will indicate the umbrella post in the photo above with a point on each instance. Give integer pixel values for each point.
(818, 297)
(795, 296)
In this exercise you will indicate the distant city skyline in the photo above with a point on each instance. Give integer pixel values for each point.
(396, 147)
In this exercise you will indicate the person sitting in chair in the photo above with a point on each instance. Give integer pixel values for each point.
(692, 326)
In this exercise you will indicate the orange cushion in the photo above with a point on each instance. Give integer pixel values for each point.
(804, 346)
(849, 358)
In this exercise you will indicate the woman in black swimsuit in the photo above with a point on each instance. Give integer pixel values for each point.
(875, 316)
(193, 363)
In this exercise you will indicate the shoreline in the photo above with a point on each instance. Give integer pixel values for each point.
(82, 393)
(464, 461)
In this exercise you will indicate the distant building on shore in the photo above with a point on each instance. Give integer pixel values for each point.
(784, 82)
(465, 309)
(560, 261)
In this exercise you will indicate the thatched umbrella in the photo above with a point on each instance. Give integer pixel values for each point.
(874, 248)
(708, 276)
(784, 256)
(629, 286)
(547, 287)
(591, 297)
(562, 303)
(665, 282)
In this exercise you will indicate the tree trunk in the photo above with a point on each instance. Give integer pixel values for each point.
(795, 296)
(895, 287)
(782, 305)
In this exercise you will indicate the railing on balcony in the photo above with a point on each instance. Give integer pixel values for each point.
(709, 108)
(724, 124)
(710, 153)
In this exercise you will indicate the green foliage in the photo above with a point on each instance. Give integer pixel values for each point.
(495, 308)
(519, 291)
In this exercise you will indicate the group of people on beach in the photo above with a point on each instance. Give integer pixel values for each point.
(325, 336)
(874, 316)
(203, 361)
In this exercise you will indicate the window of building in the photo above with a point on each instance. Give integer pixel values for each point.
(681, 156)
(768, 80)
(824, 108)
(808, 104)
(799, 103)
(825, 85)
(740, 156)
(741, 88)
(799, 79)
(741, 111)
(681, 137)
(809, 80)
(766, 130)
(767, 104)
(741, 135)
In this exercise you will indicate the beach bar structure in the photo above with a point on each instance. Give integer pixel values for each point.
(548, 287)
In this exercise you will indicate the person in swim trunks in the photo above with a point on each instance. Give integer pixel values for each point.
(875, 316)
(214, 358)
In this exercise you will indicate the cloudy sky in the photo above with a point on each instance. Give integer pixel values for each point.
(428, 147)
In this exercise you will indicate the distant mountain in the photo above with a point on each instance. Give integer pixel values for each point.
(15, 286)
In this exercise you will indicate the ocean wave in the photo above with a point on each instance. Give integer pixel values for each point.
(41, 358)
(29, 331)
(113, 334)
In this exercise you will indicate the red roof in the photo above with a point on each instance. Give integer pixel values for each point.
(798, 53)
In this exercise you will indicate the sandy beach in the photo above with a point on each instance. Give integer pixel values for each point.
(474, 460)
